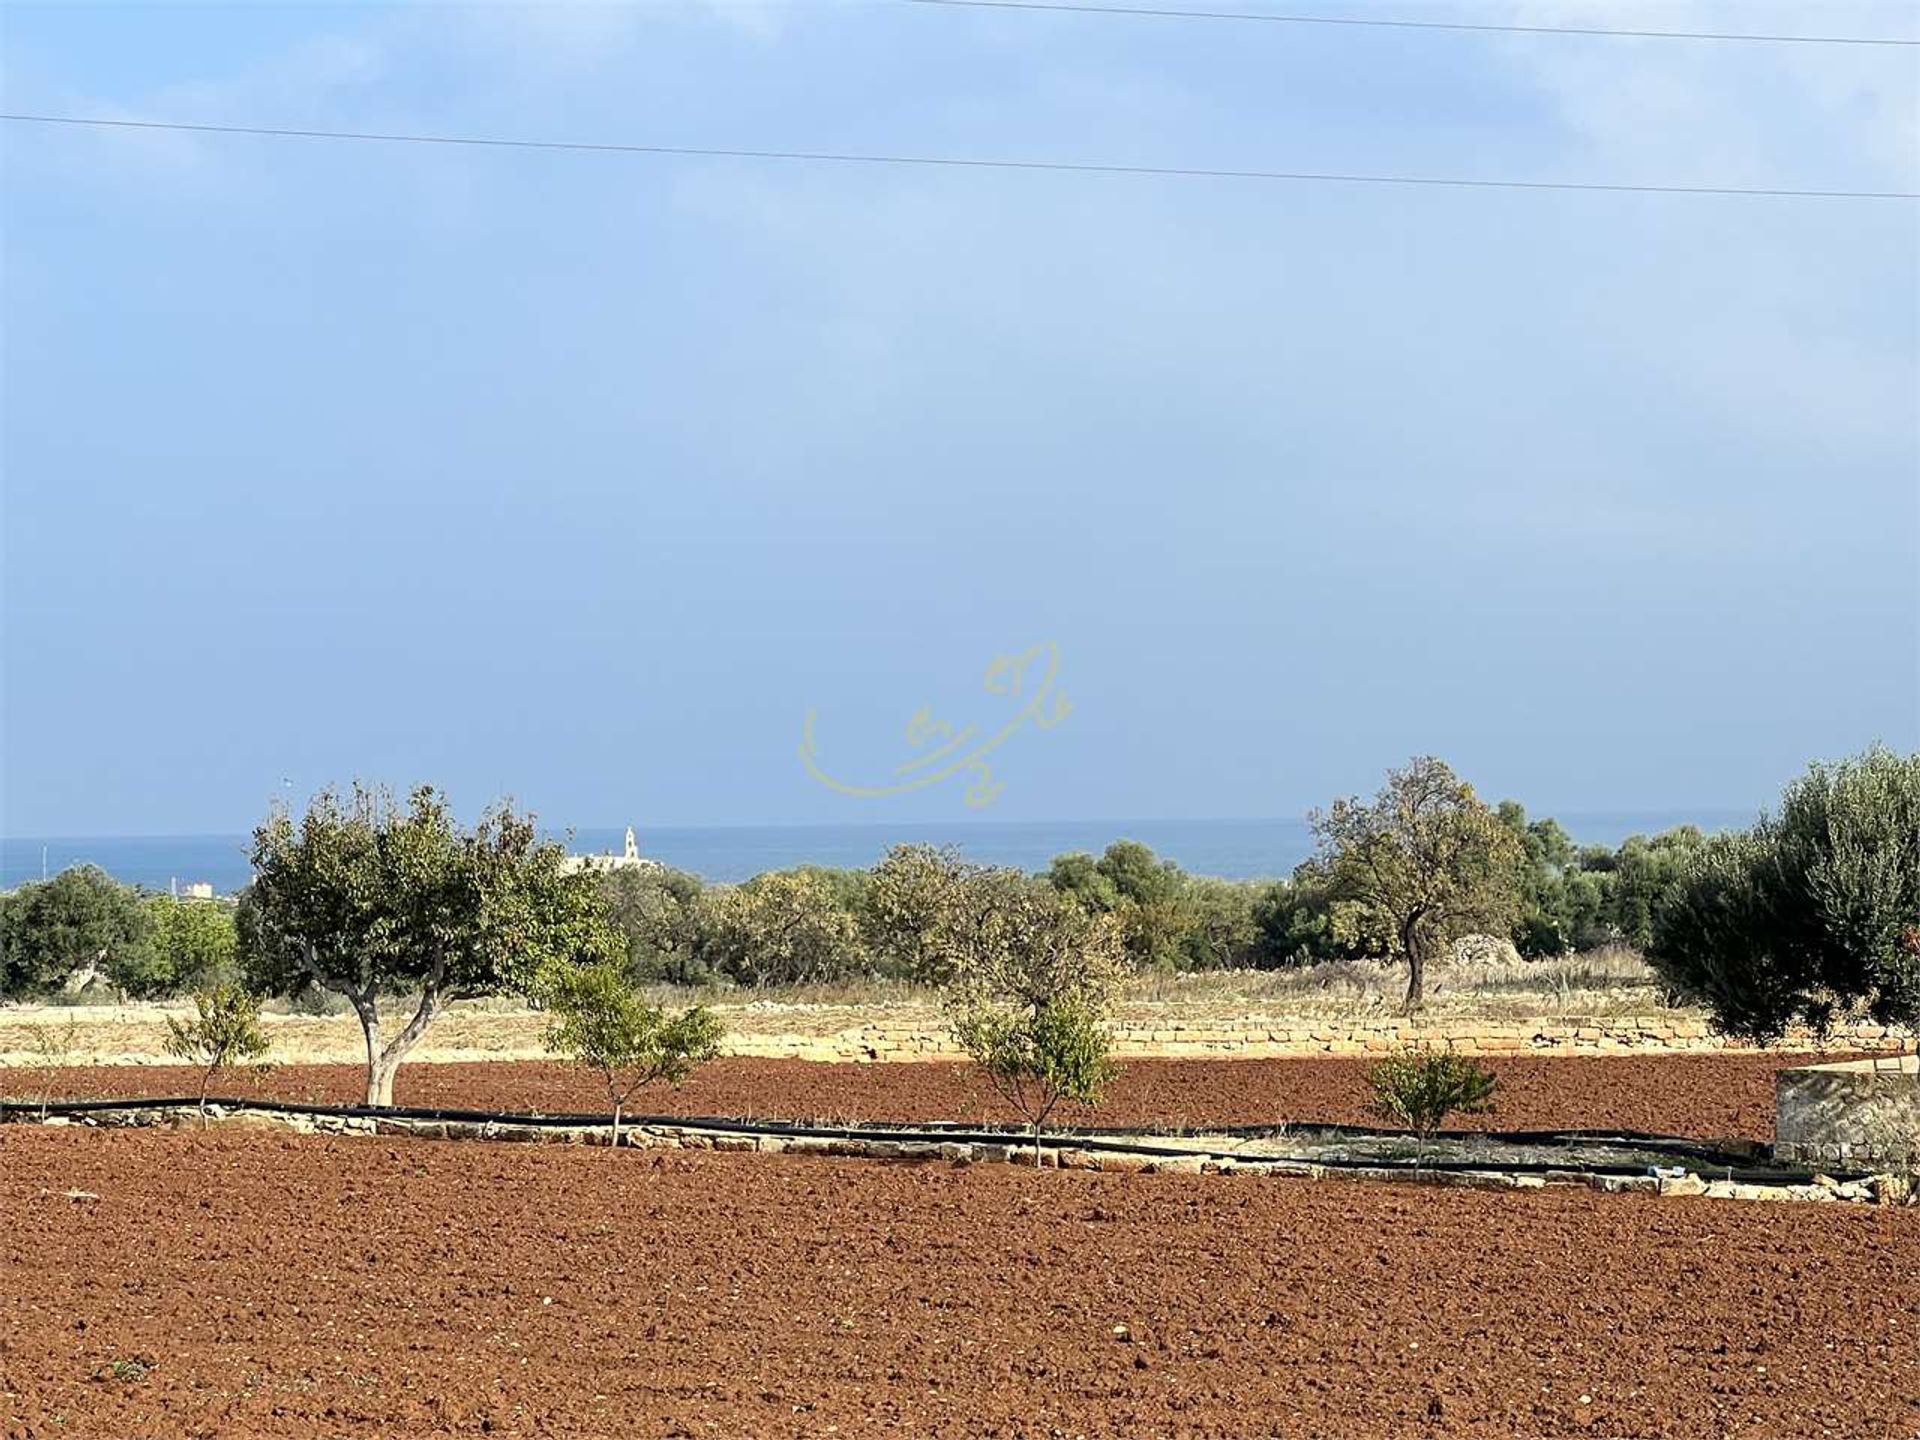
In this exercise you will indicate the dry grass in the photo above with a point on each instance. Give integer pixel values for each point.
(1603, 984)
(1610, 982)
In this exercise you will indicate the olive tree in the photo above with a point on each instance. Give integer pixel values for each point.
(1422, 863)
(1807, 916)
(600, 1020)
(225, 1031)
(81, 922)
(375, 901)
(1032, 981)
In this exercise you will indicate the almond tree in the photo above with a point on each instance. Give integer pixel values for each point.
(600, 1020)
(225, 1031)
(377, 903)
(1423, 863)
(1031, 983)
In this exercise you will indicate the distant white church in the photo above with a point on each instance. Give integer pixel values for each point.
(630, 859)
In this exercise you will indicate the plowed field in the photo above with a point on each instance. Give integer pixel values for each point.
(166, 1285)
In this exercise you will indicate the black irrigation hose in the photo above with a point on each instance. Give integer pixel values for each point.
(1098, 1142)
(952, 1129)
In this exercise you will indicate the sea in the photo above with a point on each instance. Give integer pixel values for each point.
(1229, 849)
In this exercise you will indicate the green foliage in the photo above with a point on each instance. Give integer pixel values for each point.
(1294, 921)
(1032, 981)
(1644, 874)
(195, 945)
(1221, 930)
(601, 1021)
(914, 900)
(1423, 863)
(1805, 916)
(1562, 906)
(369, 900)
(225, 1031)
(80, 920)
(1138, 875)
(664, 920)
(1421, 1088)
(1079, 875)
(785, 927)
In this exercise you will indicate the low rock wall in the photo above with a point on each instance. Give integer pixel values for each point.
(1065, 1155)
(1255, 1039)
(1857, 1113)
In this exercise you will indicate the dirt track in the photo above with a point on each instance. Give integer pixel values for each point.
(1708, 1096)
(254, 1285)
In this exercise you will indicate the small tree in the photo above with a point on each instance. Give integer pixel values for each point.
(602, 1022)
(1421, 1088)
(1032, 982)
(225, 1031)
(53, 1048)
(1422, 864)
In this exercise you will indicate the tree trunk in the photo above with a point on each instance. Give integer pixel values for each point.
(384, 1061)
(616, 1124)
(1036, 1145)
(206, 1079)
(1416, 950)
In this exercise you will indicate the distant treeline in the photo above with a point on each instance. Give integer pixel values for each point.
(815, 924)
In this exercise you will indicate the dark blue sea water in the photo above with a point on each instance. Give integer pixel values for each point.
(1232, 849)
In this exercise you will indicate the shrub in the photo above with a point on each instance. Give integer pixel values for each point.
(1421, 1088)
(1032, 982)
(600, 1021)
(225, 1031)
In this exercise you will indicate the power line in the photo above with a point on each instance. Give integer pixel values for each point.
(834, 157)
(1367, 22)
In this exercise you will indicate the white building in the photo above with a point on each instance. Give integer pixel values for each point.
(600, 864)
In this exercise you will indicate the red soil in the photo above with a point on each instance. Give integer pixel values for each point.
(1708, 1096)
(257, 1285)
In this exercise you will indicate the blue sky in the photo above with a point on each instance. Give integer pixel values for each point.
(583, 478)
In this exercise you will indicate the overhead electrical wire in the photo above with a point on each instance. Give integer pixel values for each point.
(835, 157)
(1271, 18)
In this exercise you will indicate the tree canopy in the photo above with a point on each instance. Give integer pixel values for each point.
(372, 900)
(81, 920)
(1424, 862)
(1811, 915)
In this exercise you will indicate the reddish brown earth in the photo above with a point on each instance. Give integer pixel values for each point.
(165, 1285)
(1707, 1096)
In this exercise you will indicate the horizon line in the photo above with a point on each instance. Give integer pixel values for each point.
(965, 823)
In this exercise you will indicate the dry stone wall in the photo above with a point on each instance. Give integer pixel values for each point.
(1262, 1039)
(1863, 1112)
